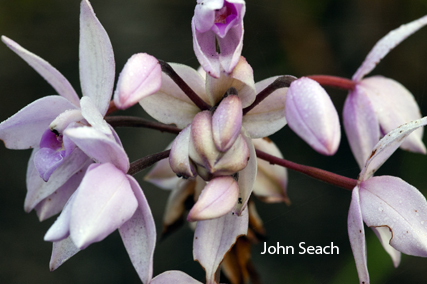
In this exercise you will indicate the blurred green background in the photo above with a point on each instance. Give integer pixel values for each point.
(302, 37)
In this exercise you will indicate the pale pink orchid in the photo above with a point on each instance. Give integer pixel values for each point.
(217, 27)
(55, 164)
(311, 114)
(107, 199)
(217, 142)
(378, 104)
(395, 210)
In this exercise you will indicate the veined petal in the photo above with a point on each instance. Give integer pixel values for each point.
(54, 203)
(97, 67)
(92, 115)
(311, 114)
(213, 238)
(179, 159)
(269, 115)
(104, 202)
(387, 43)
(217, 199)
(61, 252)
(394, 106)
(242, 79)
(99, 147)
(390, 202)
(170, 104)
(37, 189)
(271, 180)
(204, 46)
(387, 145)
(247, 177)
(356, 233)
(141, 77)
(25, 128)
(384, 235)
(360, 124)
(174, 276)
(139, 235)
(47, 71)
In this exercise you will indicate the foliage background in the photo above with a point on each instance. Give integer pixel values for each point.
(281, 37)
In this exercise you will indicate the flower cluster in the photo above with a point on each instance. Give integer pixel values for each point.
(221, 154)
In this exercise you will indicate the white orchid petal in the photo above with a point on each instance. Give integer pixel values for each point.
(97, 66)
(47, 71)
(387, 43)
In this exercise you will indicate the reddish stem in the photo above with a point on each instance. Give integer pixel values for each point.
(334, 82)
(111, 108)
(328, 177)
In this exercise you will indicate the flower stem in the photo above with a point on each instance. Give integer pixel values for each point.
(131, 121)
(111, 108)
(143, 163)
(333, 81)
(281, 82)
(325, 176)
(168, 70)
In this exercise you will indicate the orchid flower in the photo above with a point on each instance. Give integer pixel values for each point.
(107, 198)
(378, 104)
(54, 167)
(213, 142)
(394, 209)
(218, 24)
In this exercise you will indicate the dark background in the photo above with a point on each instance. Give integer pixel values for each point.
(281, 37)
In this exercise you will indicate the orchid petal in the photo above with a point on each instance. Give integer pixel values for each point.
(96, 59)
(356, 234)
(37, 189)
(104, 202)
(61, 228)
(384, 235)
(268, 116)
(387, 43)
(174, 276)
(204, 14)
(65, 119)
(179, 160)
(388, 201)
(204, 45)
(202, 148)
(25, 128)
(99, 147)
(247, 177)
(311, 114)
(54, 203)
(271, 180)
(234, 160)
(217, 199)
(387, 145)
(213, 238)
(227, 122)
(141, 77)
(231, 47)
(47, 71)
(139, 235)
(170, 104)
(61, 252)
(48, 160)
(360, 124)
(242, 79)
(162, 175)
(175, 206)
(394, 106)
(93, 116)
